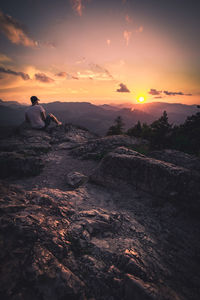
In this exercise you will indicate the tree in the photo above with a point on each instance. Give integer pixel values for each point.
(135, 130)
(117, 128)
(186, 137)
(161, 132)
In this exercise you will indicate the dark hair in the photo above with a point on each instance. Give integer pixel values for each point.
(34, 99)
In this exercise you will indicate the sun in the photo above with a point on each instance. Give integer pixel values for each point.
(141, 99)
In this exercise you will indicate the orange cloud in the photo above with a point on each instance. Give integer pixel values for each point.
(108, 42)
(128, 19)
(4, 58)
(140, 29)
(61, 74)
(43, 78)
(123, 88)
(154, 92)
(98, 69)
(127, 36)
(23, 75)
(14, 31)
(77, 6)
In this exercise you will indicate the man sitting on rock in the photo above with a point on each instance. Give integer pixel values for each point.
(36, 115)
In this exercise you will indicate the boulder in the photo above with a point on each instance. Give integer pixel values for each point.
(98, 148)
(75, 179)
(159, 178)
(177, 158)
(14, 164)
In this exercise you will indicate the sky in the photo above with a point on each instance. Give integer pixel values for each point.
(113, 51)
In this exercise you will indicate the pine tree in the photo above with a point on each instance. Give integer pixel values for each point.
(117, 128)
(161, 130)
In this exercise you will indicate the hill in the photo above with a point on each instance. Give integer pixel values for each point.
(99, 118)
(177, 112)
(96, 118)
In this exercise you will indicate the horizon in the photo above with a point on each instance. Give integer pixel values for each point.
(100, 52)
(102, 104)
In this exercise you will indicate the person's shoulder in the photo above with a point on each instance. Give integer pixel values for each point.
(40, 107)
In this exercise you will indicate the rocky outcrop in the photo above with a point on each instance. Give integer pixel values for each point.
(75, 179)
(177, 158)
(53, 248)
(98, 148)
(159, 178)
(51, 252)
(14, 164)
(24, 153)
(63, 237)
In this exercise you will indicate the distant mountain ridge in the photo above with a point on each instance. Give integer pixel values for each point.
(177, 112)
(98, 118)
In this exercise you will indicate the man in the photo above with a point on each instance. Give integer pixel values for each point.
(36, 115)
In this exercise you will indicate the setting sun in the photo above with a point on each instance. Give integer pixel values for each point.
(141, 99)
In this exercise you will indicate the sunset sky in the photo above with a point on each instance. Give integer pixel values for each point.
(100, 51)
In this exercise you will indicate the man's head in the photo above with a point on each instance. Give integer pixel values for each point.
(34, 100)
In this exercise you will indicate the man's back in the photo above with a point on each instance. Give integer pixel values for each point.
(34, 115)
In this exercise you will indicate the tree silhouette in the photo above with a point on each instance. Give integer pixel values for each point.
(135, 130)
(117, 128)
(161, 132)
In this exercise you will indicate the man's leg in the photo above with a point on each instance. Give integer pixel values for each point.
(50, 118)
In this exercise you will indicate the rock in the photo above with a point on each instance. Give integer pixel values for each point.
(34, 237)
(66, 146)
(98, 148)
(75, 179)
(135, 289)
(159, 178)
(50, 249)
(177, 158)
(17, 165)
(70, 133)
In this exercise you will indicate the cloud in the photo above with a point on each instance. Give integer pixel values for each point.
(23, 75)
(61, 74)
(108, 42)
(175, 93)
(66, 75)
(78, 6)
(74, 77)
(81, 61)
(154, 92)
(140, 29)
(123, 88)
(127, 36)
(128, 19)
(158, 97)
(47, 44)
(4, 58)
(97, 68)
(43, 78)
(14, 31)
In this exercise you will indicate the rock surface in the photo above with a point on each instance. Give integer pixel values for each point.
(159, 178)
(92, 241)
(97, 148)
(75, 179)
(177, 158)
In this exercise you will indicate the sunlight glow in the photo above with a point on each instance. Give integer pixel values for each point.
(141, 99)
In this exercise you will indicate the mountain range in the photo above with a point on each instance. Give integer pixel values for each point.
(98, 118)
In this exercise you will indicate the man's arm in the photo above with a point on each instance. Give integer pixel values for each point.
(43, 115)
